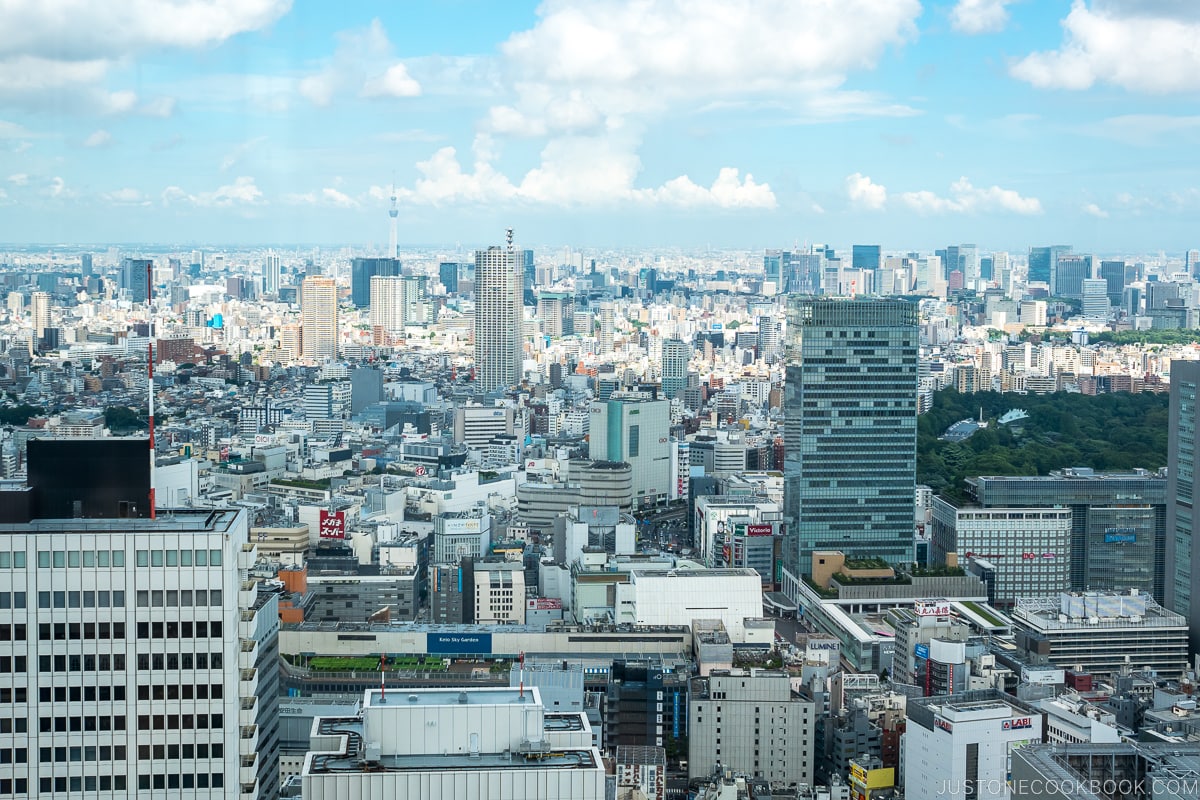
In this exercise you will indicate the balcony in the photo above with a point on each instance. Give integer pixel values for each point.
(248, 714)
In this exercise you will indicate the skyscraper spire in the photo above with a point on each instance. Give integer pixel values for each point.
(393, 212)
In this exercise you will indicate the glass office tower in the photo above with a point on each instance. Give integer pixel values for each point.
(850, 429)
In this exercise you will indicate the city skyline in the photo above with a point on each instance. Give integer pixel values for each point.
(1010, 124)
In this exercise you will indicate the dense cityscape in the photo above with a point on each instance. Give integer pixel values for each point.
(599, 400)
(651, 490)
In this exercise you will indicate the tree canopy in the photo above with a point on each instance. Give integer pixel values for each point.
(1118, 431)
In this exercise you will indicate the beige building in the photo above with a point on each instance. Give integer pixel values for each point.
(319, 319)
(750, 722)
(500, 593)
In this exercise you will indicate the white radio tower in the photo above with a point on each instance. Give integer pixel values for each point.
(393, 212)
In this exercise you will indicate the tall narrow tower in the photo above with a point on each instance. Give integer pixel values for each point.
(393, 212)
(499, 323)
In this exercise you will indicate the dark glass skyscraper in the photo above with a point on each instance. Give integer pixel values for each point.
(1042, 260)
(850, 430)
(1183, 485)
(866, 256)
(361, 272)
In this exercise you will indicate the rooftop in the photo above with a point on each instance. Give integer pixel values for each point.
(481, 696)
(168, 521)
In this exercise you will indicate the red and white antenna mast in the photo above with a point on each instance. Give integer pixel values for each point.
(150, 372)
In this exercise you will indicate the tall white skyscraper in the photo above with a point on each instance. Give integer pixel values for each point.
(499, 323)
(271, 271)
(319, 318)
(40, 307)
(388, 302)
(675, 356)
(606, 317)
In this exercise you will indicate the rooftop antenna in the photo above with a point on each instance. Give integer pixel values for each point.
(150, 372)
(521, 685)
(508, 237)
(383, 678)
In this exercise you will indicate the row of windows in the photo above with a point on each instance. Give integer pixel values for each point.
(13, 664)
(11, 725)
(12, 560)
(63, 694)
(76, 558)
(19, 694)
(61, 755)
(12, 600)
(179, 661)
(179, 630)
(88, 599)
(179, 558)
(182, 598)
(177, 722)
(78, 724)
(89, 783)
(13, 633)
(101, 662)
(14, 785)
(173, 691)
(202, 780)
(176, 751)
(68, 631)
(14, 755)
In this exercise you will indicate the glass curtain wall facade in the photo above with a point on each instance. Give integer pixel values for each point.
(850, 430)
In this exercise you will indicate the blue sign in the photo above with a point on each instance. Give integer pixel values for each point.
(459, 643)
(1109, 538)
(921, 651)
(675, 719)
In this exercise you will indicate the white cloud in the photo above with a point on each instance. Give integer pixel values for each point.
(964, 198)
(325, 197)
(19, 179)
(242, 192)
(353, 69)
(1094, 210)
(606, 59)
(727, 191)
(79, 29)
(57, 188)
(395, 82)
(1148, 47)
(979, 16)
(865, 193)
(239, 151)
(98, 138)
(126, 197)
(339, 199)
(578, 171)
(57, 53)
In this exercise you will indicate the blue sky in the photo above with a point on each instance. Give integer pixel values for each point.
(1008, 123)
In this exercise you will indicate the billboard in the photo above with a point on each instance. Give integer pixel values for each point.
(1121, 538)
(933, 608)
(332, 525)
(459, 643)
(543, 604)
(759, 530)
(921, 651)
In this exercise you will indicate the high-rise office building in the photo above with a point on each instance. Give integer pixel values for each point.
(1068, 275)
(850, 430)
(1183, 487)
(770, 338)
(776, 267)
(1113, 273)
(1191, 262)
(319, 319)
(448, 275)
(866, 256)
(675, 356)
(271, 272)
(499, 318)
(146, 663)
(556, 311)
(606, 318)
(1042, 260)
(85, 266)
(361, 272)
(1095, 297)
(636, 431)
(135, 278)
(968, 262)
